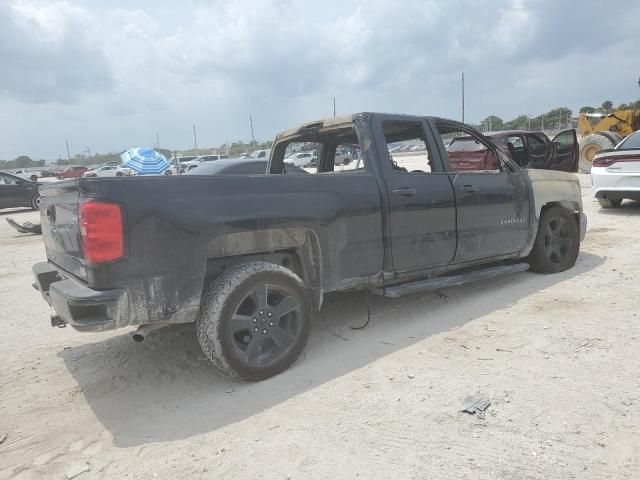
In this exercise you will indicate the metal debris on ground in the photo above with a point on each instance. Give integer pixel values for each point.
(477, 405)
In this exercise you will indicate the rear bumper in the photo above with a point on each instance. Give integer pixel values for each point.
(610, 184)
(78, 305)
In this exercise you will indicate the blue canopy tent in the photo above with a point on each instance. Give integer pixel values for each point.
(145, 161)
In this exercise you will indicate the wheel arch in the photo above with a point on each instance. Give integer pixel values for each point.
(297, 249)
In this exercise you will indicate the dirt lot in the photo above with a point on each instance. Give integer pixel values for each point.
(557, 355)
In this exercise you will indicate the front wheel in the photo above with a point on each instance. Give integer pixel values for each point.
(254, 320)
(590, 146)
(557, 242)
(35, 202)
(168, 172)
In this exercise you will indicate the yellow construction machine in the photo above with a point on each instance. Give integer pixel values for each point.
(601, 131)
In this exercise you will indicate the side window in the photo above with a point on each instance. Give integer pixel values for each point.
(320, 152)
(515, 145)
(534, 141)
(564, 138)
(467, 151)
(407, 147)
(7, 180)
(302, 155)
(347, 158)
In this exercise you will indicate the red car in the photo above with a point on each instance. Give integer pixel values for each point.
(71, 172)
(527, 149)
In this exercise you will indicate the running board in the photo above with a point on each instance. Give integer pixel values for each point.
(395, 291)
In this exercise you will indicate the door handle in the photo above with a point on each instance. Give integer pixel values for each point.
(405, 192)
(469, 188)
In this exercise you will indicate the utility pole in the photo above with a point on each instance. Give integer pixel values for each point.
(88, 152)
(463, 99)
(195, 138)
(490, 123)
(542, 122)
(334, 106)
(529, 115)
(157, 140)
(253, 138)
(68, 154)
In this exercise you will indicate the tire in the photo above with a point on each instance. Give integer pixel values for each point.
(609, 203)
(35, 202)
(557, 242)
(168, 172)
(119, 174)
(232, 321)
(33, 178)
(589, 147)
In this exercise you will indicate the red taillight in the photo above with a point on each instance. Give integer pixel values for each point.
(101, 230)
(605, 161)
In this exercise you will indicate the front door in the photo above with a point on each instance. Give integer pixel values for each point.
(11, 192)
(565, 148)
(492, 201)
(422, 214)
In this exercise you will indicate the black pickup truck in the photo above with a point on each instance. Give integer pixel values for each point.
(250, 257)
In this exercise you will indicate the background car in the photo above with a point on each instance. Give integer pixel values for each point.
(108, 171)
(18, 192)
(527, 149)
(186, 166)
(260, 154)
(300, 159)
(71, 172)
(248, 166)
(30, 175)
(615, 174)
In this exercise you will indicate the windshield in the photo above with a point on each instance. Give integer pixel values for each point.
(632, 142)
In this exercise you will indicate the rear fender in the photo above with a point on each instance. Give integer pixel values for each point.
(295, 248)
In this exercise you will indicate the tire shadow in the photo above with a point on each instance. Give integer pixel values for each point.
(164, 389)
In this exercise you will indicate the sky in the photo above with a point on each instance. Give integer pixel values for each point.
(107, 75)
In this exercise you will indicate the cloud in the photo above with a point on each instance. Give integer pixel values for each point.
(49, 55)
(117, 74)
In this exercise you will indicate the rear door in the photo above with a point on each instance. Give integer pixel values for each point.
(492, 201)
(422, 215)
(565, 152)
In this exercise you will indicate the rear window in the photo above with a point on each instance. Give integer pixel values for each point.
(465, 144)
(632, 142)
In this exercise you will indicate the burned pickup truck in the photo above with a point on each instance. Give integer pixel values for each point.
(249, 258)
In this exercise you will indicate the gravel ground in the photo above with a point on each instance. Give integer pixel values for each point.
(556, 355)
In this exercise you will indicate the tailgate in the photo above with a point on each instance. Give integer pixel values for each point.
(60, 226)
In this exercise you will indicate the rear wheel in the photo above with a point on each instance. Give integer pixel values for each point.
(589, 148)
(254, 320)
(557, 242)
(609, 203)
(34, 178)
(168, 172)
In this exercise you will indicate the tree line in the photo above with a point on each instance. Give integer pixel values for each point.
(555, 119)
(234, 150)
